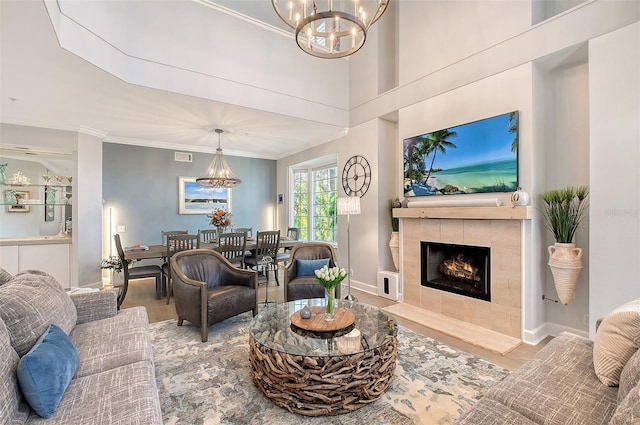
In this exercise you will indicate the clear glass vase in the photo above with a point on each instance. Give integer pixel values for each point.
(330, 298)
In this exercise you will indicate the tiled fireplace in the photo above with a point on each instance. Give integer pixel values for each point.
(501, 310)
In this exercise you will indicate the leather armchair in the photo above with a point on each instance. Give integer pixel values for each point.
(208, 289)
(301, 287)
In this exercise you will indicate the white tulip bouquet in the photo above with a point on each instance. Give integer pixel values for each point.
(329, 278)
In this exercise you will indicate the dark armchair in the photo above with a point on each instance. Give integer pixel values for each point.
(297, 287)
(208, 289)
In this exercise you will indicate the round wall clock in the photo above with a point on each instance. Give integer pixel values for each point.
(356, 176)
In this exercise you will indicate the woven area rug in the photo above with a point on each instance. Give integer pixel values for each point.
(210, 383)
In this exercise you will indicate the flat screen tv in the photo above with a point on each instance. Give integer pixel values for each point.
(477, 157)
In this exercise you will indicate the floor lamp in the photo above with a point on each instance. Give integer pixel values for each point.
(349, 206)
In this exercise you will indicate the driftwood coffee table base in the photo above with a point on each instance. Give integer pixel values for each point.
(324, 385)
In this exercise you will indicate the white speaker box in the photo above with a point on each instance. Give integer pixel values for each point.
(388, 285)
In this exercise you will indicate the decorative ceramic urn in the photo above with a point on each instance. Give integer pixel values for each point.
(565, 262)
(519, 197)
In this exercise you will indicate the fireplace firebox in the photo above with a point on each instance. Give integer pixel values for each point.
(461, 269)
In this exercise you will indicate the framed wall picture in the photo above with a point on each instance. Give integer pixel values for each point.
(194, 198)
(20, 196)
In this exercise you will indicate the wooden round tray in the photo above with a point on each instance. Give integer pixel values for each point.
(342, 318)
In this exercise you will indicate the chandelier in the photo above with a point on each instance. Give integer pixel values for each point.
(330, 28)
(219, 173)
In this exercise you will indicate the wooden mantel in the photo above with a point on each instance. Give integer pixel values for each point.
(467, 213)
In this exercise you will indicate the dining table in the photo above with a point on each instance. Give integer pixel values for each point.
(145, 252)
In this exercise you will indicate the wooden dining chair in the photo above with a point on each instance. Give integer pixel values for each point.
(293, 233)
(268, 243)
(139, 272)
(176, 243)
(166, 233)
(247, 230)
(232, 246)
(206, 236)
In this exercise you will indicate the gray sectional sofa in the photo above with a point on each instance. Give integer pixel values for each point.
(560, 387)
(115, 378)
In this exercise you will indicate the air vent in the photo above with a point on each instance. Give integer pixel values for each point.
(183, 156)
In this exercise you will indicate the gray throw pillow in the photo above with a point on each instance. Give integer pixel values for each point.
(29, 303)
(630, 376)
(13, 407)
(5, 276)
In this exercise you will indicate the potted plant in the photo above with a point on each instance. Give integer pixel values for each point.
(564, 210)
(114, 265)
(394, 241)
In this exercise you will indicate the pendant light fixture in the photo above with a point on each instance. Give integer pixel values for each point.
(219, 173)
(330, 28)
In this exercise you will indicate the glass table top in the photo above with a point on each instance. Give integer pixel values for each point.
(272, 328)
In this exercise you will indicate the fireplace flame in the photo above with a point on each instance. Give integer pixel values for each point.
(460, 267)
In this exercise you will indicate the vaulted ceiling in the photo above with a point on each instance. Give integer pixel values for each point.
(57, 73)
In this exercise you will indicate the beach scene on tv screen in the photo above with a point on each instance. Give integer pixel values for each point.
(477, 157)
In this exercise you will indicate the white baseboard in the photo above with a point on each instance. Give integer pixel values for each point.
(536, 336)
(365, 287)
(361, 286)
(555, 329)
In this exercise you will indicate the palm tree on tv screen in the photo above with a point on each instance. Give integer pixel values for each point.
(512, 123)
(416, 149)
(438, 142)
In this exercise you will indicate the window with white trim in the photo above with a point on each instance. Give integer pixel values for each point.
(313, 202)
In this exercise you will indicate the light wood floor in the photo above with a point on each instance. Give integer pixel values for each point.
(142, 293)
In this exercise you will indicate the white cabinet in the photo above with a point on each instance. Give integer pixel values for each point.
(52, 258)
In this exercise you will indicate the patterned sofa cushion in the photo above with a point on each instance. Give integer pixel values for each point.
(13, 407)
(29, 303)
(628, 412)
(630, 376)
(5, 276)
(124, 395)
(114, 342)
(617, 339)
(558, 386)
(490, 412)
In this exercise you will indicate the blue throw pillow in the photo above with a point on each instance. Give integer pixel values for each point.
(308, 267)
(45, 371)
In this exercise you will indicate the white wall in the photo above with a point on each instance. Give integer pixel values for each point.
(614, 108)
(388, 173)
(564, 161)
(87, 212)
(436, 34)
